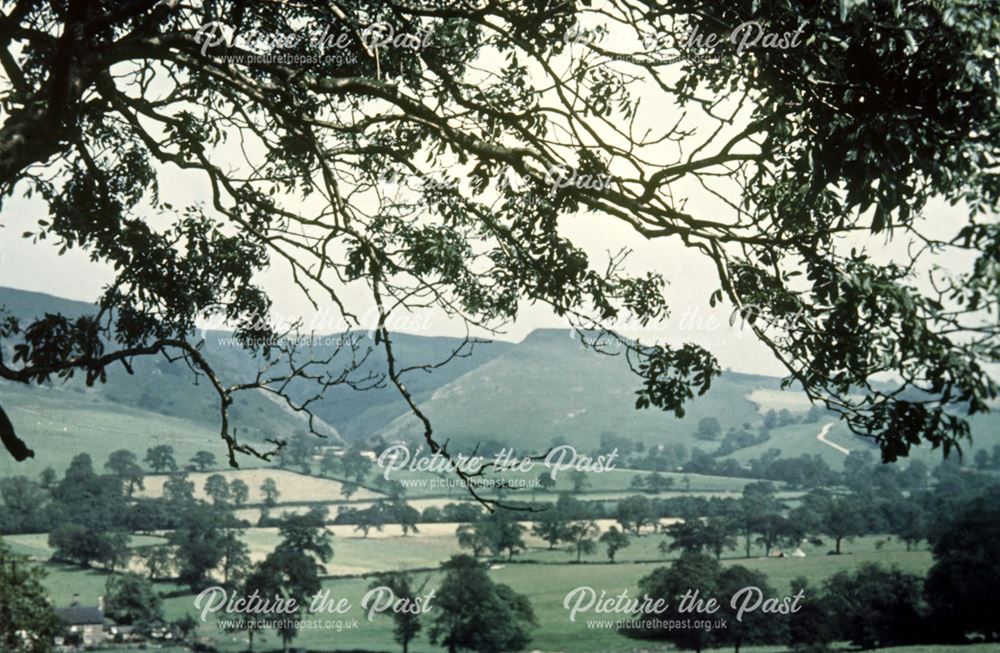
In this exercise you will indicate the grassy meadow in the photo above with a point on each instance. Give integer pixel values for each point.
(544, 576)
(71, 421)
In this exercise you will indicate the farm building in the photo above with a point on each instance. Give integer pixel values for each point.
(84, 624)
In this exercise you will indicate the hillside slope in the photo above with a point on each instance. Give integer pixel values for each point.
(551, 386)
(165, 398)
(521, 395)
(162, 388)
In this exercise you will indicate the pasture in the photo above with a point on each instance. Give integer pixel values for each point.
(544, 576)
(69, 422)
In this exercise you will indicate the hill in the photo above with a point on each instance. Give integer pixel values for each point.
(169, 403)
(161, 387)
(522, 395)
(171, 390)
(59, 423)
(357, 414)
(551, 386)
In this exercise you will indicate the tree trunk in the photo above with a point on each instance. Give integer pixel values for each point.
(37, 132)
(838, 544)
(26, 138)
(250, 633)
(748, 545)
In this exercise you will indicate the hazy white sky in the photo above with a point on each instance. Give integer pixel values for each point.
(38, 267)
(691, 278)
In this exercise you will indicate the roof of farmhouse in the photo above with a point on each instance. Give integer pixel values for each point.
(77, 615)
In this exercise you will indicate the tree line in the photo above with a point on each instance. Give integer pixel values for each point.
(871, 606)
(875, 500)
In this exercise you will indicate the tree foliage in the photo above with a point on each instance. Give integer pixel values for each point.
(614, 540)
(132, 600)
(124, 465)
(199, 545)
(161, 458)
(473, 613)
(875, 607)
(27, 622)
(406, 621)
(964, 583)
(880, 109)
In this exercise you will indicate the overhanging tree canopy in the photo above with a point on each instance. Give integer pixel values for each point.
(606, 107)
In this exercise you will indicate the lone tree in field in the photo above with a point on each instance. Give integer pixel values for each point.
(217, 489)
(294, 567)
(840, 517)
(472, 613)
(582, 536)
(614, 540)
(240, 492)
(203, 461)
(270, 491)
(332, 159)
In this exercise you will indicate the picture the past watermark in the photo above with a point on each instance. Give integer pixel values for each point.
(564, 458)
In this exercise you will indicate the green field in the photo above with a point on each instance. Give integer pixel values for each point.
(545, 585)
(800, 439)
(612, 483)
(36, 545)
(59, 424)
(544, 576)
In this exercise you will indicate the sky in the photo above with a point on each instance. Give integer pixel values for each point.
(691, 279)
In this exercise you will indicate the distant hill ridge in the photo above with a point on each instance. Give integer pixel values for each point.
(520, 394)
(159, 387)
